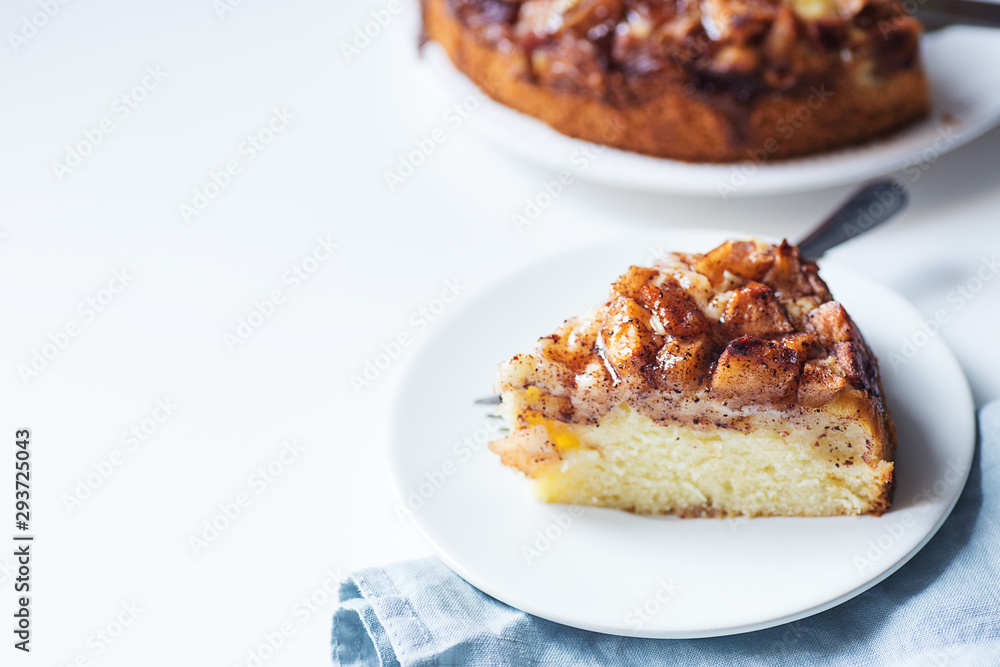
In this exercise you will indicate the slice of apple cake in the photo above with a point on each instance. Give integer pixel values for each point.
(722, 384)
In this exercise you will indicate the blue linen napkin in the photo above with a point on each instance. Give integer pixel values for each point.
(942, 608)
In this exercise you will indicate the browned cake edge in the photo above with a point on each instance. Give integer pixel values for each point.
(888, 453)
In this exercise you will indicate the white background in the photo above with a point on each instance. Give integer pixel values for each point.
(162, 336)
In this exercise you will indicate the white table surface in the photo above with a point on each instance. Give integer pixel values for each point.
(162, 335)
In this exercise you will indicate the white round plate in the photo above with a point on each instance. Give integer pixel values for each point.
(646, 576)
(966, 103)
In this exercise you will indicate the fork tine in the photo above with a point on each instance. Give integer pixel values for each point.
(488, 400)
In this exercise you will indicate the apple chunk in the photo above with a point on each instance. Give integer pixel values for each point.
(756, 371)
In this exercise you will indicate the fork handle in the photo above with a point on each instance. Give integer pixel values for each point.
(943, 13)
(868, 208)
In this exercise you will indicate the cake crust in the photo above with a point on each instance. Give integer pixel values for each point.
(831, 82)
(743, 344)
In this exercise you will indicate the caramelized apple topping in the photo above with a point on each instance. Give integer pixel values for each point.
(682, 363)
(756, 371)
(755, 310)
(742, 47)
(747, 322)
(832, 324)
(626, 336)
(741, 258)
(819, 385)
(673, 311)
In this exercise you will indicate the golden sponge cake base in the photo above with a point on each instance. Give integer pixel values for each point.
(629, 462)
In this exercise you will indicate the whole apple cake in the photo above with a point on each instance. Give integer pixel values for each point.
(708, 81)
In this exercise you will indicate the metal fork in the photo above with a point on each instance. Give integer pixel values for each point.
(937, 14)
